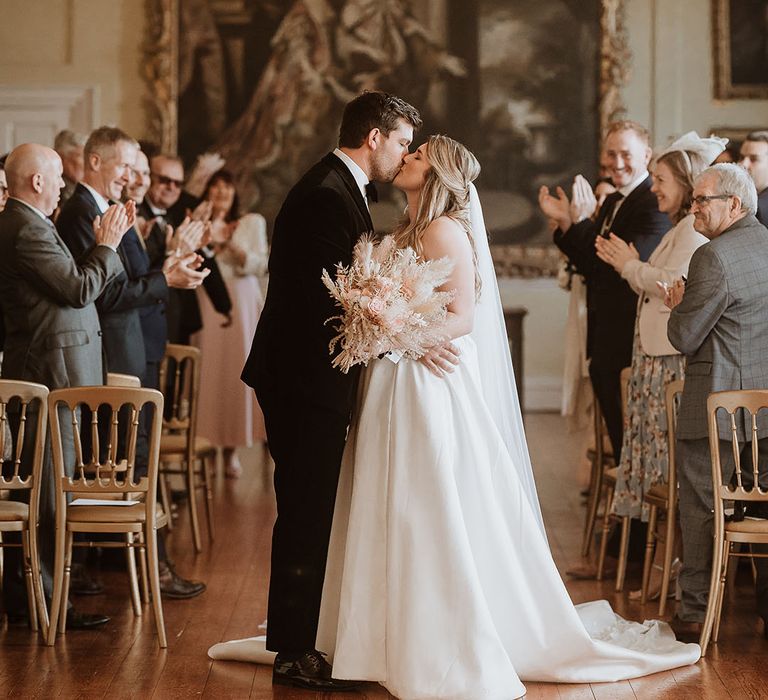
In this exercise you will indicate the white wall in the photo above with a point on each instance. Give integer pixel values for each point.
(672, 79)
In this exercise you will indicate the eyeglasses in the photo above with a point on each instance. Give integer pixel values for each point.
(165, 180)
(702, 199)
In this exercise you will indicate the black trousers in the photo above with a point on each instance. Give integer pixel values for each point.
(605, 374)
(307, 444)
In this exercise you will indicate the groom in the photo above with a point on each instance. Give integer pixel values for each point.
(306, 402)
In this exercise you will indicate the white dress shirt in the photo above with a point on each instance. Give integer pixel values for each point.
(357, 172)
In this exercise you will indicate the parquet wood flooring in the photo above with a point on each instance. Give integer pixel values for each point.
(122, 659)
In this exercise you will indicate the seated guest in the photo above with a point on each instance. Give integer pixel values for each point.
(131, 308)
(69, 146)
(228, 414)
(165, 204)
(655, 362)
(52, 326)
(754, 158)
(719, 322)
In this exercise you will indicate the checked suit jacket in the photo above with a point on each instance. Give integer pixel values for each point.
(721, 325)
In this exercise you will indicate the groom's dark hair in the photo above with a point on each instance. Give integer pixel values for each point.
(374, 110)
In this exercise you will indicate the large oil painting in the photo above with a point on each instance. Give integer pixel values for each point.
(526, 85)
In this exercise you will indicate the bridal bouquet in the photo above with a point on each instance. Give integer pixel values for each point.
(388, 301)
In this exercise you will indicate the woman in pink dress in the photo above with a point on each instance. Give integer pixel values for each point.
(229, 415)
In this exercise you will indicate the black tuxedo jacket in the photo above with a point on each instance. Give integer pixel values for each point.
(611, 303)
(183, 308)
(317, 227)
(121, 301)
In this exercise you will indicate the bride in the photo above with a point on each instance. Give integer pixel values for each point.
(440, 583)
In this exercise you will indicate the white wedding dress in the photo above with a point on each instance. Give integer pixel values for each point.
(440, 583)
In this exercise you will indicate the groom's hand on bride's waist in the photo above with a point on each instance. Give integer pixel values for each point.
(441, 359)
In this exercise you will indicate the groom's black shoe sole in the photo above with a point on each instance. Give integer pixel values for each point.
(310, 671)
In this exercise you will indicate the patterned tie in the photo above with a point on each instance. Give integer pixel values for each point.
(611, 206)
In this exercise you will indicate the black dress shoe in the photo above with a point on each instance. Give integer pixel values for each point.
(174, 586)
(310, 670)
(81, 582)
(686, 631)
(77, 620)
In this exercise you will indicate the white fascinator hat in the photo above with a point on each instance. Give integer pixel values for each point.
(698, 153)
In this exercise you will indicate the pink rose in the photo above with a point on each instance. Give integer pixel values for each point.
(376, 306)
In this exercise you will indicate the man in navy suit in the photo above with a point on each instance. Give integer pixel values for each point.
(132, 306)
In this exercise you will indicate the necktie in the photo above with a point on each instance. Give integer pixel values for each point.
(611, 206)
(371, 193)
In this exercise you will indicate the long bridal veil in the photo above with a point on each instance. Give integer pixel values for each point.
(496, 372)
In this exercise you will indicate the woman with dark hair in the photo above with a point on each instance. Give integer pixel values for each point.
(229, 415)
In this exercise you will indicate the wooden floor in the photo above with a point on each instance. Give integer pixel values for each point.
(122, 659)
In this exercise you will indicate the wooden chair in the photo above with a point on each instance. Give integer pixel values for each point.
(729, 533)
(609, 480)
(663, 497)
(97, 483)
(600, 459)
(182, 451)
(127, 380)
(29, 446)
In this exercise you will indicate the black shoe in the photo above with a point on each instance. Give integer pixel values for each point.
(686, 631)
(81, 583)
(77, 620)
(174, 586)
(309, 671)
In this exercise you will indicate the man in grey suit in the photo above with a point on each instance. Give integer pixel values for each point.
(719, 320)
(52, 328)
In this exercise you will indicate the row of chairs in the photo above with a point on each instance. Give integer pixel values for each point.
(729, 535)
(104, 495)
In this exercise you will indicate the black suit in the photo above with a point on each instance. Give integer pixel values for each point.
(184, 317)
(306, 402)
(762, 207)
(611, 303)
(119, 304)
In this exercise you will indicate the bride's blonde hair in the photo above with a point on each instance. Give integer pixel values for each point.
(445, 192)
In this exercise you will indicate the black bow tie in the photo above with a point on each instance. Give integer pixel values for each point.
(371, 192)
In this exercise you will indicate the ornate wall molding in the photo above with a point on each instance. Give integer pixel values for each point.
(615, 61)
(160, 66)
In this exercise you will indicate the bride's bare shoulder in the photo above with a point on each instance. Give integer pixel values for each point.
(444, 236)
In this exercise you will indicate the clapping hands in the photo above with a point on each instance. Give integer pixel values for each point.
(615, 251)
(556, 207)
(673, 294)
(109, 228)
(186, 238)
(583, 200)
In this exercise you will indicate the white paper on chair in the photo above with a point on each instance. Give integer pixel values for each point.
(101, 502)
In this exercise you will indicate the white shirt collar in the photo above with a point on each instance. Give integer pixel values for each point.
(357, 172)
(157, 211)
(101, 203)
(33, 208)
(628, 189)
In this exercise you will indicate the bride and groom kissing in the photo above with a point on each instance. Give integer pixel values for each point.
(409, 543)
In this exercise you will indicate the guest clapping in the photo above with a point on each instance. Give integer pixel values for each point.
(229, 415)
(655, 361)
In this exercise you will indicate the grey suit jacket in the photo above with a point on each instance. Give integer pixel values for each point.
(721, 325)
(52, 328)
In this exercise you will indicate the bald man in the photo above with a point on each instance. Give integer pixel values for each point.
(52, 328)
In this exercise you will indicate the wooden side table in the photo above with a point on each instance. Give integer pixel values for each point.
(513, 318)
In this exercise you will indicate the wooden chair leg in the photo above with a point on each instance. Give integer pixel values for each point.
(28, 579)
(133, 582)
(58, 585)
(192, 501)
(727, 547)
(65, 587)
(165, 498)
(650, 542)
(669, 553)
(206, 472)
(154, 584)
(143, 569)
(606, 529)
(593, 502)
(714, 584)
(37, 580)
(621, 571)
